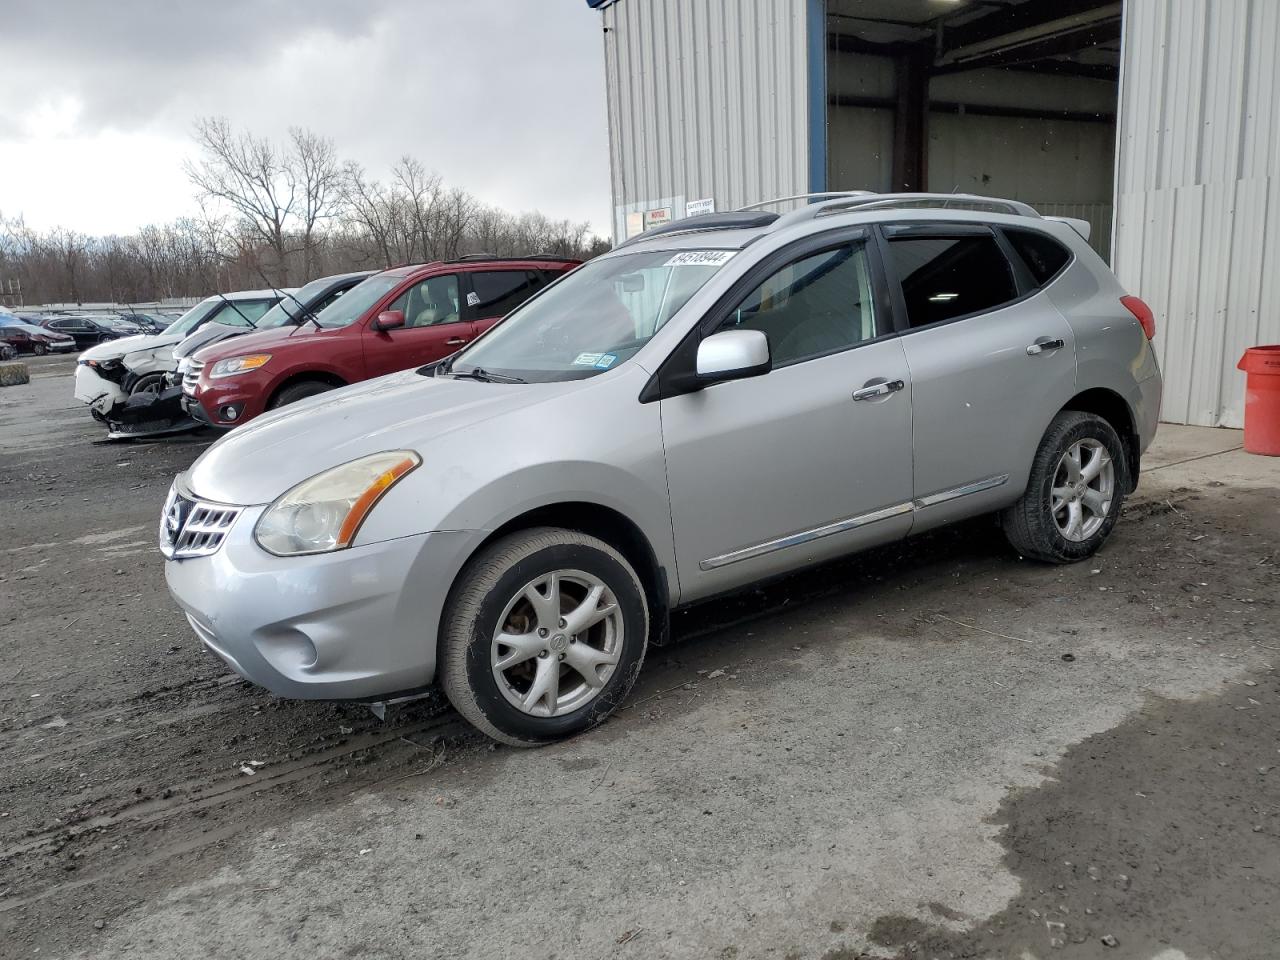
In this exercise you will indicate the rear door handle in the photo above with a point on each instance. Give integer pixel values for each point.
(1041, 345)
(878, 390)
(455, 341)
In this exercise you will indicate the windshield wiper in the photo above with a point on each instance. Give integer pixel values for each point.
(484, 376)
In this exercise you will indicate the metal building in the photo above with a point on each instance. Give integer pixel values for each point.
(1157, 121)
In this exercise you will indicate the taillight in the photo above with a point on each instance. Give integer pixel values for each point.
(1142, 312)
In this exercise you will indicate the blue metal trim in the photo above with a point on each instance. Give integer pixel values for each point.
(816, 49)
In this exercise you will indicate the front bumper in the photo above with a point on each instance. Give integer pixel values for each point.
(97, 391)
(356, 624)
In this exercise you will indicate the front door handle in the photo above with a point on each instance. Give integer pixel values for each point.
(455, 341)
(1041, 345)
(878, 390)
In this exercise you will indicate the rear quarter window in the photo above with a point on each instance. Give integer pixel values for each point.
(1044, 256)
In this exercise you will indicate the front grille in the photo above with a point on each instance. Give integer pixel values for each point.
(194, 528)
(191, 377)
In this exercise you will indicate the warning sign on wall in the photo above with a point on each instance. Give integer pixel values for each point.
(657, 217)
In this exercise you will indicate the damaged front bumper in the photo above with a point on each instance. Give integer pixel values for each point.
(103, 385)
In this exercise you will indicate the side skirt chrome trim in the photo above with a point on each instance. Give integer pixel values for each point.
(976, 486)
(850, 523)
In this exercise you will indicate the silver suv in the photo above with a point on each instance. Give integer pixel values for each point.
(717, 401)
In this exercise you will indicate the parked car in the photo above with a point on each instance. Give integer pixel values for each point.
(26, 337)
(87, 331)
(292, 310)
(148, 322)
(399, 318)
(717, 402)
(109, 374)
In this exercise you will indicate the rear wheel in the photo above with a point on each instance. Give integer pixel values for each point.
(299, 391)
(543, 636)
(1074, 495)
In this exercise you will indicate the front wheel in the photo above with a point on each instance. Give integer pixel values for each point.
(1073, 498)
(39, 349)
(299, 391)
(543, 636)
(151, 383)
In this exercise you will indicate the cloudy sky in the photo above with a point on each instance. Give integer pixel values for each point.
(503, 98)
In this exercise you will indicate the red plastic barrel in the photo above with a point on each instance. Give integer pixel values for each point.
(1262, 400)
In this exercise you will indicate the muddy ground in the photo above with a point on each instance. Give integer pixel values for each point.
(932, 750)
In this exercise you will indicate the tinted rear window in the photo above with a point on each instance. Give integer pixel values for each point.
(947, 277)
(1044, 256)
(498, 292)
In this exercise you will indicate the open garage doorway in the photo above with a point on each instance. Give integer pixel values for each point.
(1008, 98)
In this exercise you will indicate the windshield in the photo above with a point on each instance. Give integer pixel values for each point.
(348, 308)
(288, 310)
(192, 318)
(595, 319)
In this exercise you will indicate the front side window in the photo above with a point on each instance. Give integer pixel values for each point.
(948, 277)
(814, 306)
(430, 302)
(595, 319)
(497, 292)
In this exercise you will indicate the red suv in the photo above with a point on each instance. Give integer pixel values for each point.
(394, 320)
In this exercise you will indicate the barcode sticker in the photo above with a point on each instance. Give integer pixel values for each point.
(700, 258)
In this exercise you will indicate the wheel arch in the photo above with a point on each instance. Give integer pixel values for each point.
(304, 376)
(608, 524)
(1112, 407)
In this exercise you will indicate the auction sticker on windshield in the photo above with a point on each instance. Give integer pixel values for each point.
(602, 361)
(700, 258)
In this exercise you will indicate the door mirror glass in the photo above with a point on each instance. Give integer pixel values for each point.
(733, 354)
(389, 320)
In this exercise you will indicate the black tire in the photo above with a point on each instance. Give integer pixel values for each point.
(1029, 524)
(105, 339)
(484, 588)
(299, 391)
(39, 349)
(151, 382)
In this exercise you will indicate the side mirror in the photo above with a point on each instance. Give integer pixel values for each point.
(732, 355)
(389, 320)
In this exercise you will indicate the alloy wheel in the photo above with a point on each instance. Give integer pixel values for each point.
(557, 643)
(1084, 483)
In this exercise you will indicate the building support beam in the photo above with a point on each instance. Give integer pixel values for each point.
(910, 119)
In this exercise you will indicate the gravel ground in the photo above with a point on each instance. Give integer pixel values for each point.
(932, 750)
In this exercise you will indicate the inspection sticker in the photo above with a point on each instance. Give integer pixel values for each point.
(700, 258)
(606, 361)
(588, 359)
(473, 299)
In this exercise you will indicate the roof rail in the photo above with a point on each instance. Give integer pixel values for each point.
(925, 201)
(725, 220)
(489, 256)
(828, 195)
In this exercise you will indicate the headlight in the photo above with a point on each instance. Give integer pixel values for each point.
(324, 513)
(235, 365)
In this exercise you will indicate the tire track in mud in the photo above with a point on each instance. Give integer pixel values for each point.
(199, 796)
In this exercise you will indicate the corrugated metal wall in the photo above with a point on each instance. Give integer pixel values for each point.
(1198, 184)
(706, 99)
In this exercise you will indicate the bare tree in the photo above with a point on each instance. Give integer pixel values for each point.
(318, 176)
(251, 177)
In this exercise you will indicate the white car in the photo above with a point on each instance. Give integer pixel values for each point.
(108, 374)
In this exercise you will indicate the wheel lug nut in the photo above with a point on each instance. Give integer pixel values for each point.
(573, 639)
(542, 631)
(563, 622)
(543, 653)
(562, 656)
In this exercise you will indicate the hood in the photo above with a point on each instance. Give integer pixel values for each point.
(203, 336)
(257, 340)
(115, 349)
(259, 461)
